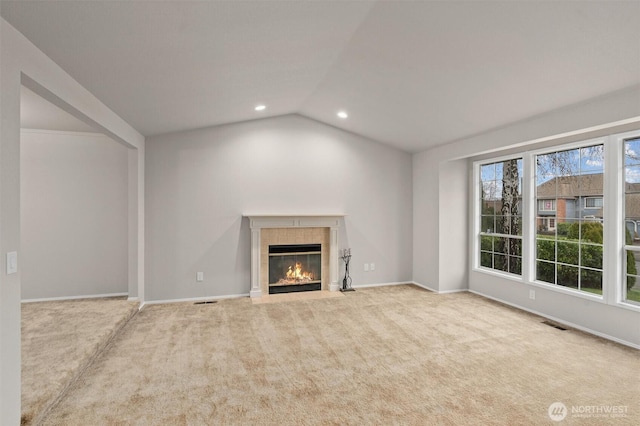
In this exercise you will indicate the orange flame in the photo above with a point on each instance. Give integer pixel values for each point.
(298, 274)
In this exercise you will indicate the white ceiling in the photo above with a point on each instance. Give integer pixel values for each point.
(410, 74)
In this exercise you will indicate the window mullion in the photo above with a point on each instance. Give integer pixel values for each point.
(612, 220)
(528, 217)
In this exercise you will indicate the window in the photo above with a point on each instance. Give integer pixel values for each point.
(500, 238)
(568, 249)
(554, 217)
(551, 223)
(631, 289)
(593, 203)
(547, 205)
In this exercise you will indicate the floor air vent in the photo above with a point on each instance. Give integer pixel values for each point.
(206, 302)
(551, 324)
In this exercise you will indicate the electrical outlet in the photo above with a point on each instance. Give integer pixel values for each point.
(373, 266)
(199, 276)
(12, 262)
(366, 267)
(532, 294)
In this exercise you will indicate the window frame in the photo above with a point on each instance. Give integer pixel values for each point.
(577, 145)
(477, 220)
(620, 294)
(613, 217)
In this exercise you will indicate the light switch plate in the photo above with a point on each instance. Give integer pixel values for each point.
(373, 267)
(12, 262)
(199, 276)
(366, 267)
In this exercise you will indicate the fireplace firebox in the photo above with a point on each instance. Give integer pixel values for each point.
(294, 268)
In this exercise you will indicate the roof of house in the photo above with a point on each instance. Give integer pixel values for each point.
(590, 185)
(571, 186)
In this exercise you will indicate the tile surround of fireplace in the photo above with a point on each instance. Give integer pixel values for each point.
(282, 230)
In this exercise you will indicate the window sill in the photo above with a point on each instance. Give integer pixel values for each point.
(569, 291)
(496, 273)
(628, 306)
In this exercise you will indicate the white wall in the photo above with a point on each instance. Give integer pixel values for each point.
(74, 207)
(439, 194)
(200, 183)
(440, 223)
(453, 271)
(21, 62)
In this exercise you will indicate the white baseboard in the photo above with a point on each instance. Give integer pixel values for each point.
(86, 296)
(410, 282)
(560, 321)
(461, 290)
(193, 299)
(382, 284)
(426, 287)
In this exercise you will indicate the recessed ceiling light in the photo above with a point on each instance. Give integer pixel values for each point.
(260, 107)
(342, 114)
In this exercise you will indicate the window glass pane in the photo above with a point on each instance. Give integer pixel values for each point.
(632, 290)
(487, 224)
(486, 243)
(591, 255)
(502, 245)
(546, 249)
(545, 168)
(632, 192)
(569, 202)
(516, 247)
(562, 228)
(488, 172)
(501, 213)
(546, 271)
(632, 152)
(515, 265)
(547, 225)
(631, 285)
(568, 252)
(592, 159)
(568, 276)
(486, 259)
(500, 262)
(499, 169)
(591, 281)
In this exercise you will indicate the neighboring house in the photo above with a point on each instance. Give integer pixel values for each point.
(569, 198)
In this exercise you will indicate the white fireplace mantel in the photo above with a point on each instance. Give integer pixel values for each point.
(259, 222)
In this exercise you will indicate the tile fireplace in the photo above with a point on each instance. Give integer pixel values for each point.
(293, 253)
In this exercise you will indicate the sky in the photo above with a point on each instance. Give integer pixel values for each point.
(578, 161)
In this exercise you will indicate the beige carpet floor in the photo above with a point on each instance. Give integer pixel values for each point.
(387, 355)
(59, 339)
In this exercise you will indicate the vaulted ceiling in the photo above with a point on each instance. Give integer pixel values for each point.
(410, 74)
